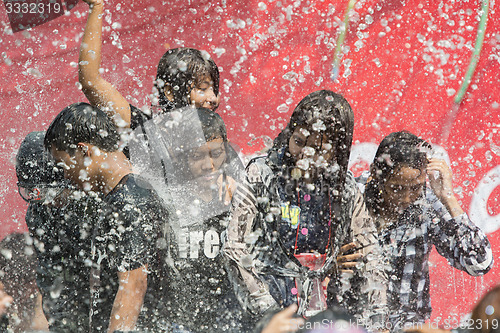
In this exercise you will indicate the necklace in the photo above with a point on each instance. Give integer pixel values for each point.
(308, 197)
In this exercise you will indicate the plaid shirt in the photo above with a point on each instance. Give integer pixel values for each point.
(408, 244)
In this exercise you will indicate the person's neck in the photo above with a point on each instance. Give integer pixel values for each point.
(118, 167)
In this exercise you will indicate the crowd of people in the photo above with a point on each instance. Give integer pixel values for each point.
(150, 222)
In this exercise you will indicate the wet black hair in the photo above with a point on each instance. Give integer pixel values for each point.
(396, 150)
(182, 69)
(336, 114)
(182, 130)
(34, 167)
(81, 122)
(212, 124)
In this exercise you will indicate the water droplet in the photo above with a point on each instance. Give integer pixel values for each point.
(282, 108)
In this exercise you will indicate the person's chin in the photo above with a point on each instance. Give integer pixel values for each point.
(206, 181)
(211, 107)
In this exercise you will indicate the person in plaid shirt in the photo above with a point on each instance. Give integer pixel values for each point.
(411, 218)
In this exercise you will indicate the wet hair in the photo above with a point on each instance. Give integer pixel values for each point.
(337, 116)
(396, 150)
(182, 69)
(487, 312)
(212, 124)
(81, 122)
(33, 165)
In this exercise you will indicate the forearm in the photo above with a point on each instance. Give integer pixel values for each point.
(460, 241)
(90, 50)
(128, 300)
(452, 205)
(98, 91)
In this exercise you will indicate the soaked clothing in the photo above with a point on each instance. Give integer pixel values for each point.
(305, 224)
(270, 223)
(62, 238)
(195, 291)
(124, 239)
(408, 243)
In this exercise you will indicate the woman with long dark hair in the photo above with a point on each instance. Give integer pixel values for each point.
(295, 210)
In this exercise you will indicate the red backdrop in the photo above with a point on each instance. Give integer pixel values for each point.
(403, 62)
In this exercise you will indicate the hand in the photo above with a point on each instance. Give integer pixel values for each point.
(347, 262)
(284, 321)
(440, 180)
(92, 3)
(226, 189)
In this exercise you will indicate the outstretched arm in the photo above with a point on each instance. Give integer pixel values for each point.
(98, 91)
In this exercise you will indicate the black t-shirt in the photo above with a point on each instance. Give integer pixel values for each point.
(124, 239)
(193, 289)
(196, 291)
(62, 238)
(305, 219)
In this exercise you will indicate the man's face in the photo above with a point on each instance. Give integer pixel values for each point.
(312, 151)
(205, 162)
(73, 166)
(403, 188)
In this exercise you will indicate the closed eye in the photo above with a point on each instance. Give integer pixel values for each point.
(216, 153)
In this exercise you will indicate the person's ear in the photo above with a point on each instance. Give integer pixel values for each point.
(373, 173)
(84, 148)
(169, 94)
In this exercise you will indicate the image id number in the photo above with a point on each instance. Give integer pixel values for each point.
(32, 8)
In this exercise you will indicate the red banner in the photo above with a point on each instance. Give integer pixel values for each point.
(401, 65)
